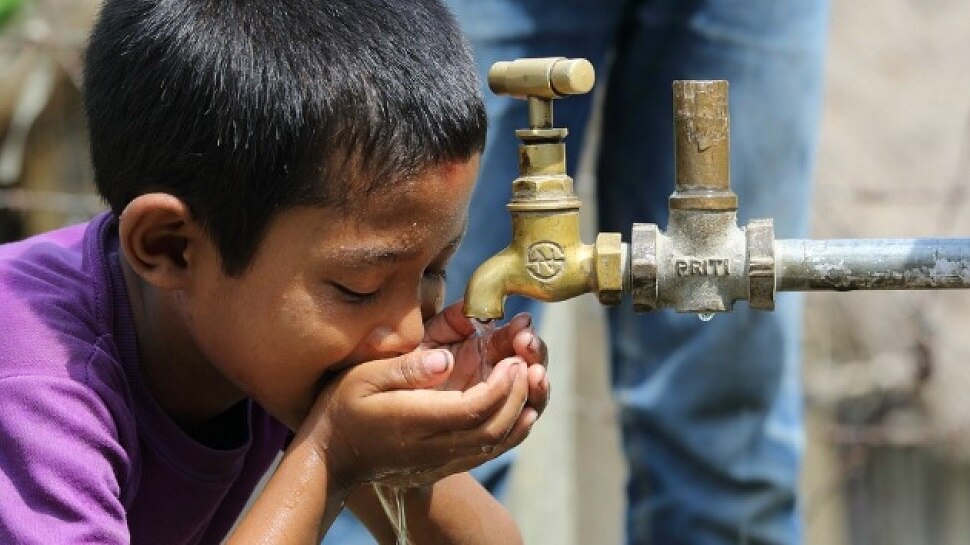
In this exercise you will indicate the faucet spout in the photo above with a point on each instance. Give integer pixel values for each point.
(489, 286)
(547, 261)
(547, 268)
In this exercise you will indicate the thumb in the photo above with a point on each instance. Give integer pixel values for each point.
(414, 370)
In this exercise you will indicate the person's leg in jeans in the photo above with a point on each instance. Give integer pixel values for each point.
(710, 412)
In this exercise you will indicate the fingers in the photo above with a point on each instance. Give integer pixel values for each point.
(483, 414)
(448, 326)
(500, 341)
(521, 429)
(533, 350)
(530, 347)
(469, 456)
(539, 388)
(399, 388)
(519, 338)
(492, 431)
(497, 427)
(425, 369)
(469, 368)
(414, 370)
(443, 432)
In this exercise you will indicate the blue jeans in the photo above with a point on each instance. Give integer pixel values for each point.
(710, 412)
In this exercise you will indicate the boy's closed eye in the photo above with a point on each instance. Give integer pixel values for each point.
(369, 269)
(353, 296)
(356, 295)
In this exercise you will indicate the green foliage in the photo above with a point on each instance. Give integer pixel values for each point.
(8, 8)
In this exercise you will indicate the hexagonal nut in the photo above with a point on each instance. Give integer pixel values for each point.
(760, 239)
(609, 268)
(644, 287)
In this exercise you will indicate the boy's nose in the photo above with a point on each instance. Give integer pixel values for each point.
(403, 336)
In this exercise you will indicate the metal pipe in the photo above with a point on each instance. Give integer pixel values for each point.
(872, 264)
(705, 261)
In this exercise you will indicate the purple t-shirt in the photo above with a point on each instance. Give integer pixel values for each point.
(86, 454)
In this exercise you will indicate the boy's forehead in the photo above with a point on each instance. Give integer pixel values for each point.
(382, 251)
(443, 190)
(408, 219)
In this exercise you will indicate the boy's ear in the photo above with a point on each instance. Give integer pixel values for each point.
(160, 239)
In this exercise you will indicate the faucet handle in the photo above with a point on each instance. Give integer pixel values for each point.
(550, 77)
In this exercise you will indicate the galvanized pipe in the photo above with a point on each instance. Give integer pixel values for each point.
(872, 264)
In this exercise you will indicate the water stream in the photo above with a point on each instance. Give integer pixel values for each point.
(484, 331)
(392, 500)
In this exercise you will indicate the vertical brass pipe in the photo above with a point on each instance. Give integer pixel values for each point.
(702, 147)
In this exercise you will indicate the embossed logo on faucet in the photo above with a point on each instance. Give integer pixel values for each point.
(545, 260)
(692, 266)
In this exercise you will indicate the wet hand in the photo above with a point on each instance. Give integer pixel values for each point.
(474, 358)
(383, 421)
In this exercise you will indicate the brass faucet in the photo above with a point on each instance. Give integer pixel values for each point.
(704, 262)
(546, 259)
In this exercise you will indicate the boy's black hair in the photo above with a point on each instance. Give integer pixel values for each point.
(243, 109)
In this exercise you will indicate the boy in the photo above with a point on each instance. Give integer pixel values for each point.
(287, 180)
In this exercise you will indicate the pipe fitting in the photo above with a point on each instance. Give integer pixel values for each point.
(760, 243)
(610, 260)
(643, 267)
(703, 263)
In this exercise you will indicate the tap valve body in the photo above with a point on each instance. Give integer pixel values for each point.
(704, 262)
(546, 259)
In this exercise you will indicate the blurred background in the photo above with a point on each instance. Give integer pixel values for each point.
(886, 374)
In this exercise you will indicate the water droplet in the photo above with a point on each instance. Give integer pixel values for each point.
(705, 316)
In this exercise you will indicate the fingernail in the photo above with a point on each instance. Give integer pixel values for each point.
(534, 344)
(524, 318)
(513, 371)
(435, 361)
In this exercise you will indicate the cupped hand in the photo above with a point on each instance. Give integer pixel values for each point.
(383, 421)
(475, 356)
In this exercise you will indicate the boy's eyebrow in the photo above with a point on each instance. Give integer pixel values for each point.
(371, 255)
(376, 256)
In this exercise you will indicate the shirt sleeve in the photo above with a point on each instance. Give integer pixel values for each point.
(61, 464)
